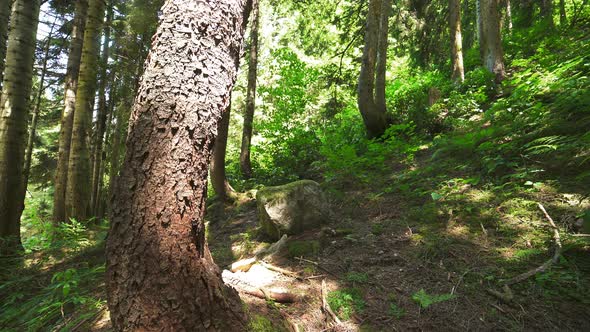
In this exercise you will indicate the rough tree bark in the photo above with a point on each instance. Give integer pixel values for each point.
(245, 164)
(458, 73)
(14, 110)
(4, 19)
(490, 39)
(375, 119)
(67, 118)
(78, 181)
(160, 274)
(218, 179)
(101, 117)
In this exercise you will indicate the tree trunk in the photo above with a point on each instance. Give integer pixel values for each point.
(35, 118)
(4, 19)
(160, 274)
(509, 15)
(245, 164)
(562, 14)
(79, 182)
(14, 111)
(490, 40)
(218, 179)
(458, 73)
(101, 117)
(547, 11)
(374, 119)
(67, 118)
(381, 66)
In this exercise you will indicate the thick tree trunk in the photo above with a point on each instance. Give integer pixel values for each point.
(67, 118)
(4, 19)
(375, 120)
(490, 39)
(79, 176)
(101, 117)
(160, 274)
(35, 118)
(381, 65)
(458, 73)
(221, 186)
(245, 164)
(14, 110)
(562, 14)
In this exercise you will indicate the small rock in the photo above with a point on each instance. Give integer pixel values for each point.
(381, 252)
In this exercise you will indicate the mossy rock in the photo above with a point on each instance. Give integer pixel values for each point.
(292, 208)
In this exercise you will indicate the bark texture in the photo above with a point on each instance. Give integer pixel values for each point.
(67, 118)
(458, 73)
(4, 19)
(509, 15)
(79, 176)
(374, 118)
(14, 110)
(160, 274)
(218, 179)
(490, 39)
(245, 164)
(101, 117)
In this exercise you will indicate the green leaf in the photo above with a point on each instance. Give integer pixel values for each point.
(66, 290)
(435, 196)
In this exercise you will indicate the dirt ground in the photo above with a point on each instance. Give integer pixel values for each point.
(374, 239)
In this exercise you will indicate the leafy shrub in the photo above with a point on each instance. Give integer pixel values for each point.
(346, 302)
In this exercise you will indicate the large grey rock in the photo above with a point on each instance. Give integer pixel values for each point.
(291, 208)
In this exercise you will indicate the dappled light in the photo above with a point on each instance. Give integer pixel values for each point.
(277, 165)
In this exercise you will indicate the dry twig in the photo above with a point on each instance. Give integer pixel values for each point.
(547, 264)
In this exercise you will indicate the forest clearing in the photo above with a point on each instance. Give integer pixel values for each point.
(286, 165)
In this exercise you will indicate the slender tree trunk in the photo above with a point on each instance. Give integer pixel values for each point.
(509, 15)
(101, 117)
(4, 19)
(35, 118)
(79, 175)
(160, 274)
(381, 66)
(547, 11)
(458, 73)
(562, 14)
(218, 179)
(375, 120)
(490, 42)
(67, 118)
(245, 164)
(115, 151)
(14, 110)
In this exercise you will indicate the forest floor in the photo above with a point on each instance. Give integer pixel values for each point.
(418, 249)
(396, 261)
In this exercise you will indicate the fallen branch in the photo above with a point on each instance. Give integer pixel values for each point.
(547, 264)
(326, 306)
(259, 292)
(301, 259)
(280, 270)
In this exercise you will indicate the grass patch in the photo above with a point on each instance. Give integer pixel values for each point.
(426, 300)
